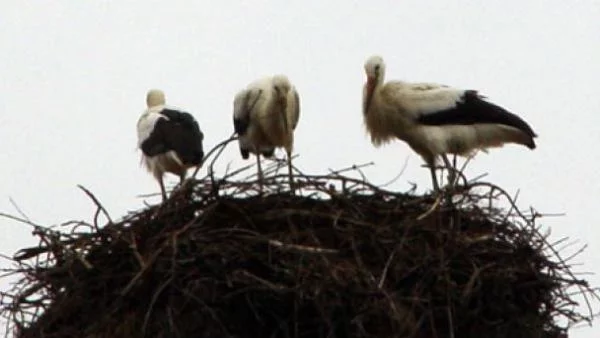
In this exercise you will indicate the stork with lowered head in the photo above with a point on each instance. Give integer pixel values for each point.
(265, 116)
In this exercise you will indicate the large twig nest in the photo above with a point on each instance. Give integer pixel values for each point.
(344, 259)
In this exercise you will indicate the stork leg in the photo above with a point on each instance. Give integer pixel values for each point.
(162, 188)
(434, 180)
(181, 179)
(451, 170)
(260, 174)
(290, 174)
(430, 162)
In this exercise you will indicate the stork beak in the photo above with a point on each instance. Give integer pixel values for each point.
(370, 87)
(371, 81)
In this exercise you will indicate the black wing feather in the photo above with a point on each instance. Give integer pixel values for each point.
(180, 133)
(241, 122)
(474, 110)
(153, 145)
(240, 125)
(241, 119)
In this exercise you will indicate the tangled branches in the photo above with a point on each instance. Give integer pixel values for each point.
(343, 259)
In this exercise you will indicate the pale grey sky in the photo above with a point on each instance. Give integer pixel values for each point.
(74, 77)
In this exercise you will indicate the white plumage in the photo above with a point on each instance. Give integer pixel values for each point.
(265, 116)
(435, 120)
(170, 139)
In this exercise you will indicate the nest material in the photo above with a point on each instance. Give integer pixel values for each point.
(343, 259)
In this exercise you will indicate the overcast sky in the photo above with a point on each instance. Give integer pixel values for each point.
(74, 74)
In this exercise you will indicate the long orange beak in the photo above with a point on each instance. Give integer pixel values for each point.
(370, 87)
(370, 84)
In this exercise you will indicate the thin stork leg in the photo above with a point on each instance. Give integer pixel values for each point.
(290, 174)
(162, 188)
(260, 174)
(451, 170)
(434, 180)
(181, 179)
(430, 162)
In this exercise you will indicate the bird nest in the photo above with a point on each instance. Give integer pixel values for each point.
(341, 258)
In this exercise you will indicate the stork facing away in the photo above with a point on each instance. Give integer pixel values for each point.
(435, 120)
(170, 139)
(265, 116)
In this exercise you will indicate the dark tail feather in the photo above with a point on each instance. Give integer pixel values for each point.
(531, 145)
(487, 112)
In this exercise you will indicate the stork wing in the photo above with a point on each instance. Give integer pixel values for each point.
(417, 86)
(151, 139)
(185, 120)
(471, 108)
(243, 104)
(296, 110)
(415, 99)
(178, 132)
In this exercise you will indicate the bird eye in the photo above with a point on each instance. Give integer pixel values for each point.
(377, 67)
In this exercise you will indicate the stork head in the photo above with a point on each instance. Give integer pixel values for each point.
(155, 97)
(375, 69)
(281, 84)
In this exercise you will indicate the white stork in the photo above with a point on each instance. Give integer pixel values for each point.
(435, 120)
(170, 139)
(265, 115)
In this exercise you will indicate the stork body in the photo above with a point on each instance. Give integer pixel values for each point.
(170, 139)
(265, 116)
(435, 120)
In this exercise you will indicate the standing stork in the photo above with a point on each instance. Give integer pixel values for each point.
(170, 139)
(435, 120)
(265, 115)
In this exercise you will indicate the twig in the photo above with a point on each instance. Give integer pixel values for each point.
(152, 302)
(385, 269)
(218, 148)
(98, 205)
(14, 204)
(301, 248)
